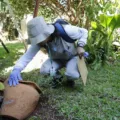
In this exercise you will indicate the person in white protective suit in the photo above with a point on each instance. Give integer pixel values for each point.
(61, 53)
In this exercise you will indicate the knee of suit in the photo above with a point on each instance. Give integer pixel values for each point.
(44, 71)
(72, 75)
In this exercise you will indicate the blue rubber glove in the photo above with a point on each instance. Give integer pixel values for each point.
(86, 54)
(15, 77)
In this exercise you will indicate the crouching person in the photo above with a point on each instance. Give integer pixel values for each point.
(59, 41)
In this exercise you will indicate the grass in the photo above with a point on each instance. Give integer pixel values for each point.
(98, 100)
(8, 60)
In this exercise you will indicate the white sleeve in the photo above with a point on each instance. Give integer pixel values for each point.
(27, 57)
(78, 33)
(83, 39)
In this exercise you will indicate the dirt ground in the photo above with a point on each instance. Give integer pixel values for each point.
(45, 111)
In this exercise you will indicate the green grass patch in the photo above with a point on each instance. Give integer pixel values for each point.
(98, 100)
(8, 59)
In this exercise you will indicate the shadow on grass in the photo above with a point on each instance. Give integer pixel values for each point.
(44, 82)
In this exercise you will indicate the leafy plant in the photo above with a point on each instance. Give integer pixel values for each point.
(100, 39)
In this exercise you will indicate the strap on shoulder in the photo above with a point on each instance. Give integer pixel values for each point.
(62, 33)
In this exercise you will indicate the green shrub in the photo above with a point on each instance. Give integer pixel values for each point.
(100, 39)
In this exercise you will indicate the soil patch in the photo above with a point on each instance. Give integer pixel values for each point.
(45, 111)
